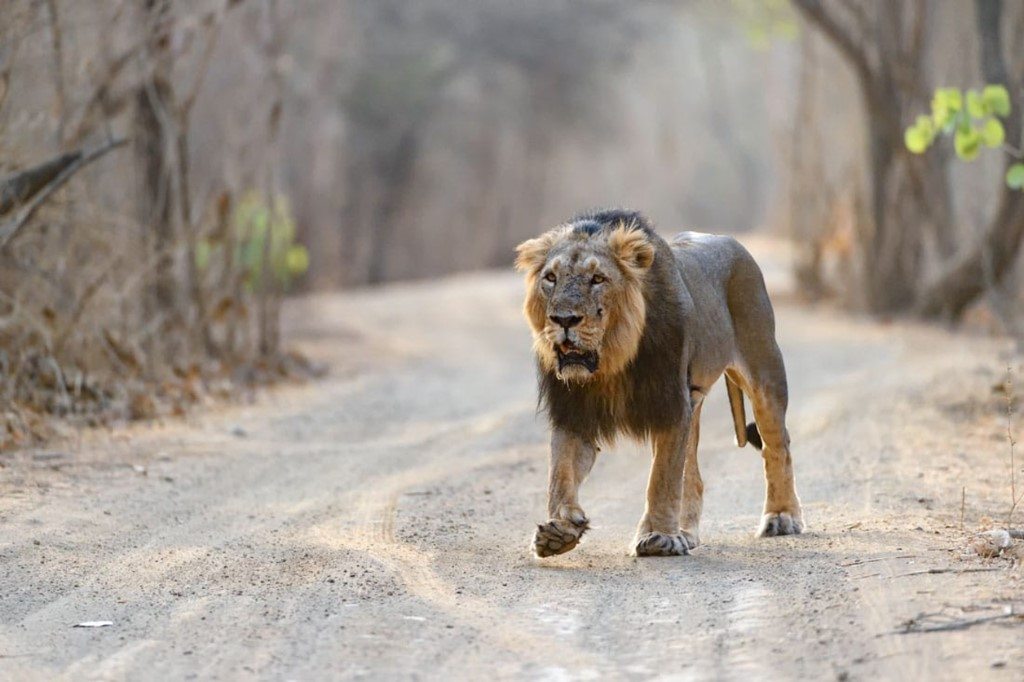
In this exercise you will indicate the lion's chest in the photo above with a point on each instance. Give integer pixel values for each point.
(633, 403)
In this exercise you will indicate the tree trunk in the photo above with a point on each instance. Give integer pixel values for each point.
(396, 177)
(807, 199)
(893, 252)
(270, 292)
(153, 148)
(201, 326)
(910, 195)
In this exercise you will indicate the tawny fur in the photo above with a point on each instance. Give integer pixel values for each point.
(662, 323)
(625, 250)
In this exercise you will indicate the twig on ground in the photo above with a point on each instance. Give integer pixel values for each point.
(913, 626)
(937, 571)
(963, 502)
(858, 562)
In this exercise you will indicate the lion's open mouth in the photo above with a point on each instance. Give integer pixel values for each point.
(568, 354)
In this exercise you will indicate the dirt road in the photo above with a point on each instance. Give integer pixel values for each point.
(377, 524)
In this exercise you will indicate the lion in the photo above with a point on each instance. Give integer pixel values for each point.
(630, 333)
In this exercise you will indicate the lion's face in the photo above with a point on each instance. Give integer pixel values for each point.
(584, 297)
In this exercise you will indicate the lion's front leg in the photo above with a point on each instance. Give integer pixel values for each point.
(571, 461)
(693, 485)
(658, 533)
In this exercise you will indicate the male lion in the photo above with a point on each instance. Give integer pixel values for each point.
(630, 333)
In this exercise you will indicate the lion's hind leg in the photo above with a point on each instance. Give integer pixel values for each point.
(782, 513)
(693, 484)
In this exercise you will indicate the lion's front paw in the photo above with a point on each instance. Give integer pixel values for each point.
(780, 523)
(558, 536)
(663, 544)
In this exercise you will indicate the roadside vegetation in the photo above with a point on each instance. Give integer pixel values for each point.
(127, 289)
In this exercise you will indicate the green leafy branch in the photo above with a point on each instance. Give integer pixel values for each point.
(253, 220)
(972, 118)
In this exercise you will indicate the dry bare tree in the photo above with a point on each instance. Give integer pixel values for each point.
(987, 263)
(884, 44)
(911, 196)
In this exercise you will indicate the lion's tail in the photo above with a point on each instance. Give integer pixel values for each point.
(745, 433)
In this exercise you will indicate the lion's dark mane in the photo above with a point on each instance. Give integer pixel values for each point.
(651, 393)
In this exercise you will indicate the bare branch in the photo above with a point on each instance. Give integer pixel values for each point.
(5, 76)
(101, 96)
(103, 99)
(212, 22)
(20, 187)
(856, 10)
(917, 31)
(213, 33)
(10, 228)
(60, 90)
(847, 44)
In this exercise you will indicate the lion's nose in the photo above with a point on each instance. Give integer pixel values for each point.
(566, 321)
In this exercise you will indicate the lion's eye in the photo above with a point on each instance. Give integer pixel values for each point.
(598, 279)
(550, 277)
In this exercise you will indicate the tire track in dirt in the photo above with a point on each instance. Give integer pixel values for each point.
(374, 535)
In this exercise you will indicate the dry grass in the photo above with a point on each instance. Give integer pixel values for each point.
(1011, 441)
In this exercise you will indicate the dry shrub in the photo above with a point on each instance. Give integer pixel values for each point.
(106, 312)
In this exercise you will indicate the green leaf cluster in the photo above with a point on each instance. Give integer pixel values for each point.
(254, 221)
(765, 21)
(971, 117)
(1015, 176)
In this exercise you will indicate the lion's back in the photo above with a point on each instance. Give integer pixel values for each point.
(709, 261)
(726, 287)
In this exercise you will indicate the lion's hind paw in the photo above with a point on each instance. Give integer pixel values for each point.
(662, 544)
(780, 523)
(557, 537)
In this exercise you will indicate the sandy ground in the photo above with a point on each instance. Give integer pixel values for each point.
(376, 524)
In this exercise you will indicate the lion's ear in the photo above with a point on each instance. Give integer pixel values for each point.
(632, 249)
(531, 254)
